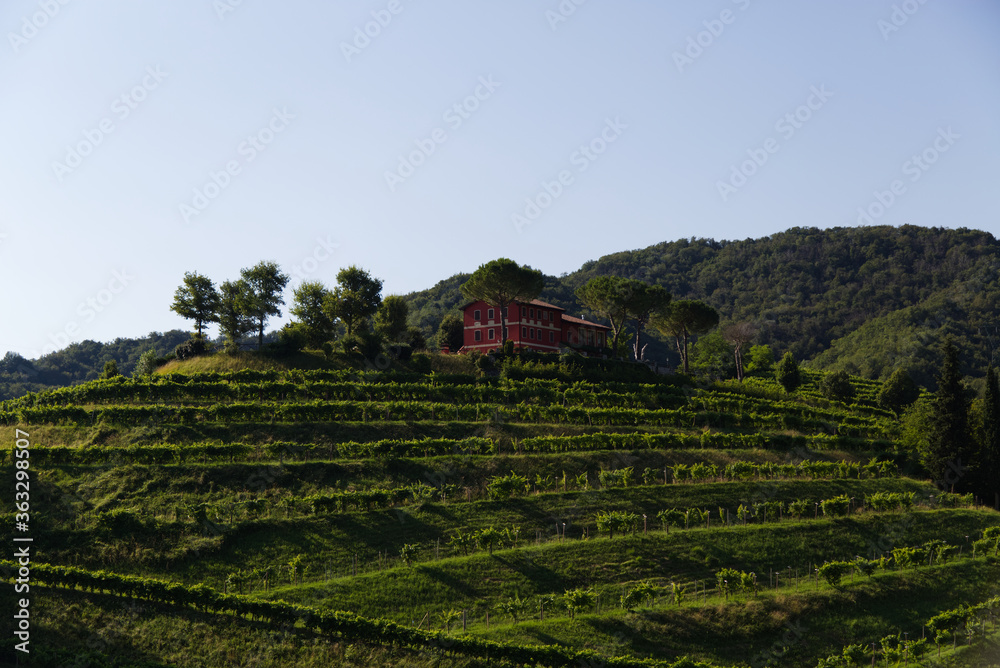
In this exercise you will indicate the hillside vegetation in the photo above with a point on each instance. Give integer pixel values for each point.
(810, 291)
(864, 300)
(78, 362)
(558, 511)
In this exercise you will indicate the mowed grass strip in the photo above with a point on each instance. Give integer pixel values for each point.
(189, 551)
(797, 627)
(105, 488)
(478, 582)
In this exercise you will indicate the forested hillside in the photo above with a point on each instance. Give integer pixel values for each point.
(79, 362)
(807, 289)
(863, 300)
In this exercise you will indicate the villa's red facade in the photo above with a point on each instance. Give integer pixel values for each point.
(535, 325)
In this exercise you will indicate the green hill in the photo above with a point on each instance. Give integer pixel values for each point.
(547, 516)
(808, 289)
(79, 362)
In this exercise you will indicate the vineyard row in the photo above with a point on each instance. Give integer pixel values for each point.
(365, 411)
(174, 453)
(343, 625)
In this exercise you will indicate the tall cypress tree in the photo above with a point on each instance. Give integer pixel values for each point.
(949, 439)
(989, 448)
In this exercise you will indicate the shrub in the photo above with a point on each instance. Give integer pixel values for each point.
(147, 364)
(421, 363)
(834, 571)
(110, 370)
(363, 343)
(838, 506)
(485, 363)
(672, 517)
(191, 348)
(837, 386)
(731, 582)
(291, 339)
(576, 600)
(799, 508)
(504, 487)
(788, 373)
(616, 478)
(401, 351)
(618, 520)
(407, 553)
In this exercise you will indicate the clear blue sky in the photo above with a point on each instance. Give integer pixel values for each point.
(621, 121)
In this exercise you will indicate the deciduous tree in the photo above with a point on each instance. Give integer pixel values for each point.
(761, 360)
(356, 297)
(197, 300)
(110, 370)
(390, 319)
(712, 355)
(146, 364)
(310, 304)
(837, 386)
(739, 334)
(263, 284)
(898, 392)
(451, 333)
(234, 323)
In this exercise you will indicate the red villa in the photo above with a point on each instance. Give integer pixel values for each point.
(535, 325)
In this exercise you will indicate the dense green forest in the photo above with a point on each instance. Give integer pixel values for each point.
(79, 362)
(866, 300)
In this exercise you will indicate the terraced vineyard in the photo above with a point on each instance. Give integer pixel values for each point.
(338, 517)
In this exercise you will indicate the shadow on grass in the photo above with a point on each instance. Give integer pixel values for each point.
(457, 585)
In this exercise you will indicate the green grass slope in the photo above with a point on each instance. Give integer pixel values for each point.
(416, 498)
